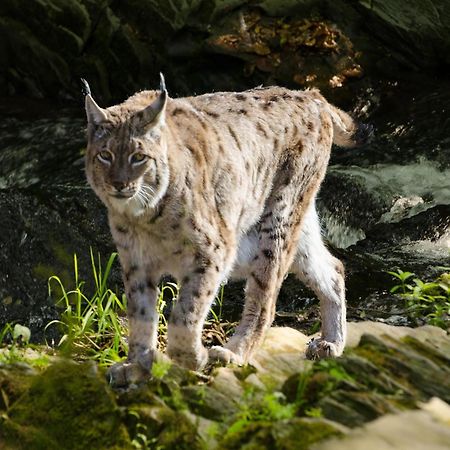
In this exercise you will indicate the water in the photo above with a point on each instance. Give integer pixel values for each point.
(406, 190)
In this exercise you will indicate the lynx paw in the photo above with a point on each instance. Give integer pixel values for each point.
(126, 373)
(224, 356)
(190, 359)
(318, 348)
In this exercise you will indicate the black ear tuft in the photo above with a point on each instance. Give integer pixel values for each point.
(162, 83)
(85, 89)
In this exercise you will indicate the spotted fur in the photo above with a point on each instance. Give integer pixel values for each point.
(226, 188)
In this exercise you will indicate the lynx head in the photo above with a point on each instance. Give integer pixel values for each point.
(126, 159)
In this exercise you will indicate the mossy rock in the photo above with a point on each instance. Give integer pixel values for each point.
(300, 433)
(413, 369)
(15, 380)
(291, 434)
(179, 433)
(381, 375)
(150, 419)
(67, 406)
(209, 403)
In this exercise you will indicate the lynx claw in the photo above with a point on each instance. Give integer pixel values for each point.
(127, 373)
(318, 348)
(224, 356)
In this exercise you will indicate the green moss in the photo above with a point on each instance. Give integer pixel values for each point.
(179, 433)
(62, 254)
(208, 402)
(300, 434)
(14, 382)
(438, 354)
(291, 434)
(43, 271)
(251, 436)
(67, 406)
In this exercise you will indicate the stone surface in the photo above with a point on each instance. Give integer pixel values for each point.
(225, 381)
(377, 395)
(412, 430)
(281, 354)
(46, 46)
(209, 403)
(65, 393)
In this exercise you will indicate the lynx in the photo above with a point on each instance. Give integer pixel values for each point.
(213, 187)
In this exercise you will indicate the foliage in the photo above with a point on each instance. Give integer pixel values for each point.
(160, 369)
(426, 301)
(5, 333)
(17, 334)
(14, 339)
(140, 439)
(92, 327)
(260, 406)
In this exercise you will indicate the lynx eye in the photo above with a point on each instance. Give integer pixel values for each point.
(138, 158)
(105, 157)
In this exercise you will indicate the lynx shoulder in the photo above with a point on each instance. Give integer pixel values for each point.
(216, 186)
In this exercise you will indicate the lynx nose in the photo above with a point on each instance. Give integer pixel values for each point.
(119, 186)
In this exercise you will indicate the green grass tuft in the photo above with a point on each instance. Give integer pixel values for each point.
(95, 327)
(92, 328)
(426, 302)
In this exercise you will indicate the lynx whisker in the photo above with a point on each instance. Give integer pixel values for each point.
(147, 189)
(143, 199)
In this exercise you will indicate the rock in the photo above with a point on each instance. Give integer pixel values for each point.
(357, 329)
(302, 433)
(280, 401)
(382, 371)
(349, 206)
(421, 28)
(290, 434)
(438, 409)
(208, 402)
(65, 393)
(431, 225)
(47, 46)
(47, 241)
(147, 418)
(180, 432)
(207, 430)
(355, 408)
(427, 333)
(225, 381)
(281, 354)
(409, 429)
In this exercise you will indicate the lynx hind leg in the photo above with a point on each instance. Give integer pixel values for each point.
(277, 243)
(324, 274)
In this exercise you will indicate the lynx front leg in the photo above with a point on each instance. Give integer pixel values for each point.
(142, 295)
(188, 316)
(324, 274)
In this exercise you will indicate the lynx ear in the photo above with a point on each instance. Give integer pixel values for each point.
(154, 114)
(95, 114)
